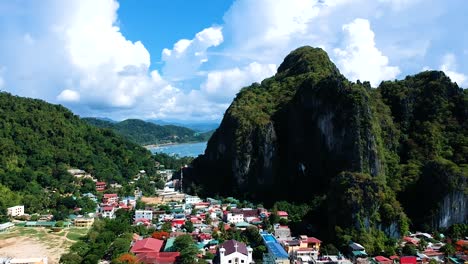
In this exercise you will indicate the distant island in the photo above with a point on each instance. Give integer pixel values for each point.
(150, 134)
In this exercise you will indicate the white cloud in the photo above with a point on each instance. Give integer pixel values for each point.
(226, 83)
(360, 58)
(449, 66)
(69, 96)
(185, 58)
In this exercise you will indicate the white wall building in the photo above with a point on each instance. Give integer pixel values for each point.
(189, 199)
(144, 214)
(16, 210)
(234, 218)
(234, 252)
(108, 212)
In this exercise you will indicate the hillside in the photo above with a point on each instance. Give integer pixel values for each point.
(366, 158)
(197, 126)
(40, 141)
(147, 133)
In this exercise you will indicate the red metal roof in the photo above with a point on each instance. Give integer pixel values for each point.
(282, 213)
(408, 260)
(110, 195)
(313, 240)
(160, 257)
(147, 245)
(382, 259)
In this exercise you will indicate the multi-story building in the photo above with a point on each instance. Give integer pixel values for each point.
(108, 212)
(144, 214)
(189, 199)
(83, 222)
(234, 218)
(15, 210)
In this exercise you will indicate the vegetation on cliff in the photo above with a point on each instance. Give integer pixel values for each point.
(147, 133)
(378, 154)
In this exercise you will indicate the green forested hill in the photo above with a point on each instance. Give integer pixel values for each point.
(40, 141)
(367, 161)
(146, 133)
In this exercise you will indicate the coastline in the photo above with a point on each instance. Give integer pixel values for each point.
(170, 144)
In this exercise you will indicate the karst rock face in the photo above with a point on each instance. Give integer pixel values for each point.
(290, 136)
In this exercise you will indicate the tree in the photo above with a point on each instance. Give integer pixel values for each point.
(448, 249)
(70, 258)
(161, 235)
(185, 245)
(166, 227)
(329, 249)
(409, 250)
(127, 258)
(274, 218)
(189, 226)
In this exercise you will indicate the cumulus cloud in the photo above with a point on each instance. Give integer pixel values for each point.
(184, 59)
(68, 95)
(360, 58)
(449, 66)
(223, 85)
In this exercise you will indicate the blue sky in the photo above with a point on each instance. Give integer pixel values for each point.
(186, 60)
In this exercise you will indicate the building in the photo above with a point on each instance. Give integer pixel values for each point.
(189, 199)
(234, 218)
(100, 186)
(27, 261)
(83, 222)
(282, 232)
(108, 212)
(276, 253)
(6, 226)
(283, 215)
(110, 198)
(15, 210)
(147, 245)
(234, 252)
(144, 214)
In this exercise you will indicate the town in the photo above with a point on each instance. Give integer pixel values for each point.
(218, 230)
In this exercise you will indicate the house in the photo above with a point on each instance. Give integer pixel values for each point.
(234, 218)
(147, 245)
(276, 253)
(83, 222)
(15, 210)
(282, 232)
(159, 257)
(100, 186)
(189, 199)
(110, 198)
(234, 252)
(144, 214)
(282, 215)
(310, 242)
(201, 205)
(408, 260)
(108, 212)
(383, 260)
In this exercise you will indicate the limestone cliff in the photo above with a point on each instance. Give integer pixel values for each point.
(291, 135)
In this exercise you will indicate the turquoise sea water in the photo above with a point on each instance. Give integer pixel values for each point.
(182, 150)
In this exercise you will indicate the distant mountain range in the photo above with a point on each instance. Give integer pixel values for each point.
(148, 133)
(197, 126)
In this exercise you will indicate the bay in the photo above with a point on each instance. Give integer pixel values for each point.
(182, 150)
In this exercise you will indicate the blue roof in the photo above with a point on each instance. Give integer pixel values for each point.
(274, 247)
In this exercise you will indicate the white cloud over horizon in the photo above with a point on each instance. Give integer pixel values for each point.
(360, 58)
(449, 66)
(76, 54)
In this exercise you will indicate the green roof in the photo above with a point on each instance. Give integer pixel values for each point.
(242, 224)
(359, 253)
(169, 247)
(41, 223)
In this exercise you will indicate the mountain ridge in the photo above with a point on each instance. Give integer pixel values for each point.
(307, 132)
(147, 133)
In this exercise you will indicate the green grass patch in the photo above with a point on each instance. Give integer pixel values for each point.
(74, 236)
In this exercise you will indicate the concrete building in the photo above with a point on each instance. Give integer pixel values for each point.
(144, 214)
(15, 210)
(234, 218)
(83, 222)
(234, 252)
(189, 199)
